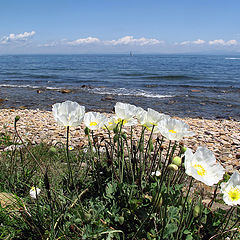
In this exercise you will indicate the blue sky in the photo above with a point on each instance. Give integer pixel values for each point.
(119, 26)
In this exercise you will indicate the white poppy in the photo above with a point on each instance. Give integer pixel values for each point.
(231, 190)
(151, 118)
(174, 129)
(94, 120)
(110, 123)
(202, 166)
(70, 148)
(34, 192)
(157, 173)
(68, 113)
(125, 114)
(139, 112)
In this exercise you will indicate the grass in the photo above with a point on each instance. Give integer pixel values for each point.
(105, 191)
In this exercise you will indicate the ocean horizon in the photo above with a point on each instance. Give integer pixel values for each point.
(177, 84)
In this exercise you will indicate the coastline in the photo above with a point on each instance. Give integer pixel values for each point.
(195, 104)
(219, 135)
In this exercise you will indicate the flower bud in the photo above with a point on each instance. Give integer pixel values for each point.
(86, 131)
(177, 161)
(87, 217)
(183, 149)
(52, 150)
(17, 118)
(173, 167)
(196, 211)
(226, 177)
(121, 220)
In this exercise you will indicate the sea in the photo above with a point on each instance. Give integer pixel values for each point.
(204, 86)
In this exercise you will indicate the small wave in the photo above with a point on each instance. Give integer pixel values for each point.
(233, 58)
(43, 76)
(31, 76)
(128, 92)
(170, 77)
(132, 74)
(28, 86)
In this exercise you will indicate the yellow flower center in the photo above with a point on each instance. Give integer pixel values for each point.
(149, 128)
(123, 121)
(33, 188)
(172, 131)
(234, 194)
(110, 123)
(200, 170)
(93, 124)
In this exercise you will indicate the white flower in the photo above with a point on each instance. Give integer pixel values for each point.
(70, 148)
(139, 112)
(174, 129)
(34, 192)
(151, 118)
(68, 113)
(125, 114)
(94, 120)
(231, 190)
(157, 173)
(110, 123)
(202, 166)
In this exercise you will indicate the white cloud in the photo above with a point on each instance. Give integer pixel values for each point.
(22, 37)
(130, 40)
(222, 42)
(83, 41)
(198, 42)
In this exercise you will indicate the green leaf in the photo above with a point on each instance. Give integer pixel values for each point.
(173, 212)
(186, 231)
(170, 229)
(189, 237)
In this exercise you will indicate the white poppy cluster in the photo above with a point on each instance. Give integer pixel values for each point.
(72, 114)
(201, 165)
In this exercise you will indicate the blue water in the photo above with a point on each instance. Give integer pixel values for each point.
(200, 81)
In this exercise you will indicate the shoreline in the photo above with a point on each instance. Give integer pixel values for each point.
(193, 105)
(219, 135)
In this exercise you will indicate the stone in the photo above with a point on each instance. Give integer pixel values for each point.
(107, 98)
(195, 90)
(65, 91)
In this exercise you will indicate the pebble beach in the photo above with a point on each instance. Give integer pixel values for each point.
(221, 136)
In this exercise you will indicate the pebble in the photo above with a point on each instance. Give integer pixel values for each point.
(220, 136)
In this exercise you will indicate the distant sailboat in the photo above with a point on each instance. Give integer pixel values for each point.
(131, 54)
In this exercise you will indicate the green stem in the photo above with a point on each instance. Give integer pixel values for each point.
(228, 219)
(182, 212)
(68, 159)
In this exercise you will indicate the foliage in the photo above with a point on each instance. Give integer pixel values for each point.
(108, 190)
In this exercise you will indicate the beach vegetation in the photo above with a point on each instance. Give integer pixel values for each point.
(121, 185)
